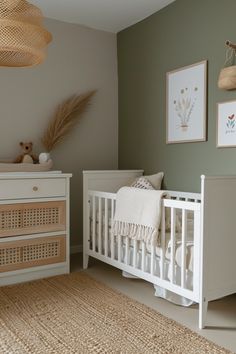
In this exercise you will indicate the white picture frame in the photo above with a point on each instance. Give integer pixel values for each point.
(186, 96)
(226, 124)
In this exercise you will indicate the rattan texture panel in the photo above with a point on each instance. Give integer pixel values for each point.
(28, 253)
(23, 39)
(41, 251)
(40, 216)
(10, 219)
(17, 219)
(10, 256)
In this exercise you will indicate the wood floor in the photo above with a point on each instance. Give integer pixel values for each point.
(221, 317)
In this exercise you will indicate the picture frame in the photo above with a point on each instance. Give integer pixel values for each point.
(186, 103)
(226, 124)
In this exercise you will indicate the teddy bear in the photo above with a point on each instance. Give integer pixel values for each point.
(27, 156)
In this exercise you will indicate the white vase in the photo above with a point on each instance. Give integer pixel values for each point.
(44, 157)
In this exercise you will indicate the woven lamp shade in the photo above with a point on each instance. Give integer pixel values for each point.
(23, 39)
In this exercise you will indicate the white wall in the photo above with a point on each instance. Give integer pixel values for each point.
(78, 59)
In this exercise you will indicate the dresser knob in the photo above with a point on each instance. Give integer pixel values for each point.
(35, 189)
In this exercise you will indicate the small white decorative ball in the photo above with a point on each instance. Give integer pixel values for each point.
(44, 157)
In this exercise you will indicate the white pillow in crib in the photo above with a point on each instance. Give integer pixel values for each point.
(142, 183)
(156, 180)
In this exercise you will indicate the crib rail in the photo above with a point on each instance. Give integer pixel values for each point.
(191, 197)
(104, 195)
(156, 264)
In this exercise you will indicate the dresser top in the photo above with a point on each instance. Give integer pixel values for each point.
(25, 175)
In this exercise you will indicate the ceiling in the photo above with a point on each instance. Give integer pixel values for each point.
(107, 15)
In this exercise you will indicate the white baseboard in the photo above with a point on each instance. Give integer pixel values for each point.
(76, 249)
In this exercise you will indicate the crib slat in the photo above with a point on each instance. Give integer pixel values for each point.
(172, 244)
(183, 256)
(143, 256)
(94, 223)
(152, 259)
(106, 227)
(119, 248)
(112, 235)
(135, 251)
(197, 252)
(100, 225)
(163, 231)
(127, 243)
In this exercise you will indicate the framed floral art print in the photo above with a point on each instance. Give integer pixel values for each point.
(186, 104)
(226, 125)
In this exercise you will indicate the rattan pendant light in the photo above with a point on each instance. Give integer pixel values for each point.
(23, 39)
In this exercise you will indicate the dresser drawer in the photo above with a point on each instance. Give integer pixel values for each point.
(32, 188)
(32, 253)
(32, 218)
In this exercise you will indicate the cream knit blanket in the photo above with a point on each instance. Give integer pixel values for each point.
(138, 214)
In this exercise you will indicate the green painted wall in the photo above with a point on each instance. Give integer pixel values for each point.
(185, 32)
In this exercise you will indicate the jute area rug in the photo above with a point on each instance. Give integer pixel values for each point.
(76, 314)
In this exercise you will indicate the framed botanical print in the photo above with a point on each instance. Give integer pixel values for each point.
(186, 104)
(226, 124)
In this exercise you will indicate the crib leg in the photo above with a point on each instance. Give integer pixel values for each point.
(203, 305)
(85, 261)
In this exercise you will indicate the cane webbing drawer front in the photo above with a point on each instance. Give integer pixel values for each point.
(30, 218)
(31, 253)
(32, 188)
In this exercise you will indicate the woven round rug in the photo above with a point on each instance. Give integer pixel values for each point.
(76, 314)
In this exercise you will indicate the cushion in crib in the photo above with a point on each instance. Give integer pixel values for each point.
(156, 180)
(142, 183)
(149, 182)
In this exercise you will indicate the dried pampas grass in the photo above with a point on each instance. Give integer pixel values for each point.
(66, 116)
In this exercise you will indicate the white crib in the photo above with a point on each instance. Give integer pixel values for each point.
(213, 237)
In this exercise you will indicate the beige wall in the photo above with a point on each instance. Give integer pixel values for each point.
(78, 59)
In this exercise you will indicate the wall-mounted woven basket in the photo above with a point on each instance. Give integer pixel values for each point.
(227, 77)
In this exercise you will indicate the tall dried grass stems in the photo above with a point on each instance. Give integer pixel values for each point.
(66, 116)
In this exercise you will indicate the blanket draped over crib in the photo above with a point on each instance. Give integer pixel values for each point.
(138, 214)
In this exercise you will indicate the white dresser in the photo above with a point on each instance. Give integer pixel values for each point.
(34, 226)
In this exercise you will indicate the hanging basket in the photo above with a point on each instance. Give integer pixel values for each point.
(23, 38)
(227, 77)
